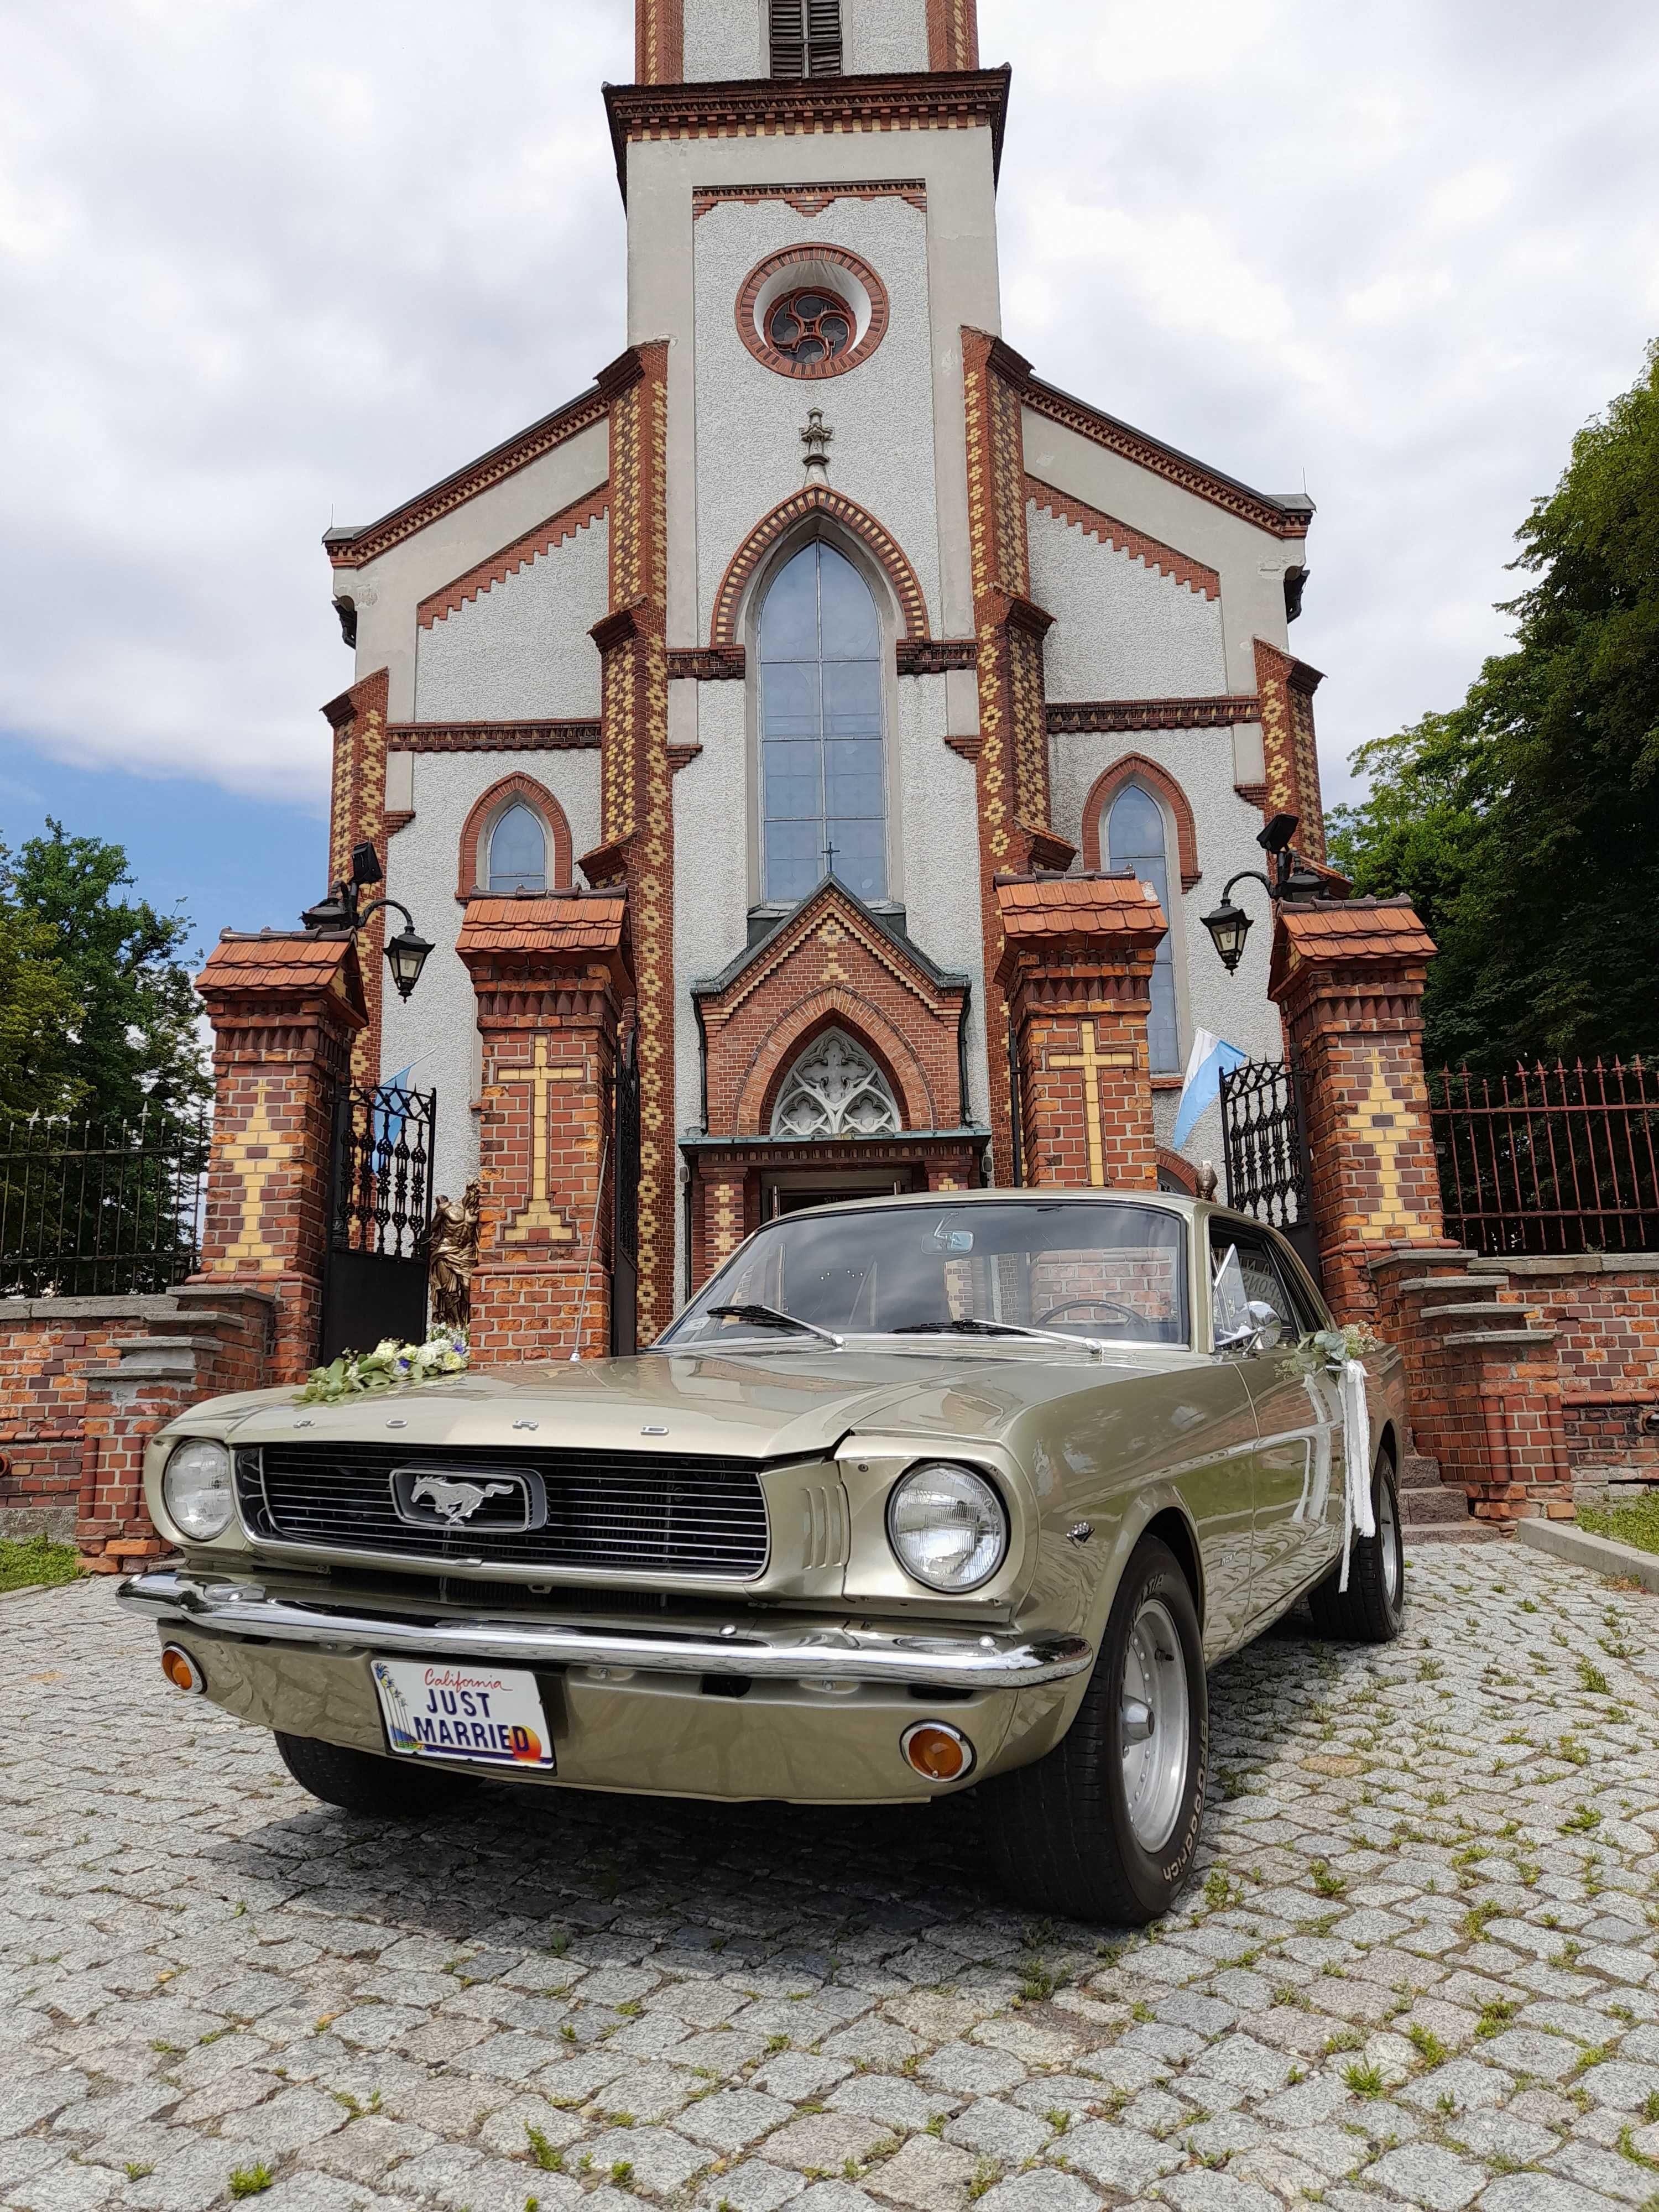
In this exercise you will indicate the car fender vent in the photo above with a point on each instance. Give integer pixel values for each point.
(824, 1526)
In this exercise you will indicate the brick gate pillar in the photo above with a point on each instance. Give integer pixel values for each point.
(1347, 976)
(1077, 973)
(550, 976)
(285, 1009)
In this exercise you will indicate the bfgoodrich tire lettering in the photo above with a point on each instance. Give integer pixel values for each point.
(1062, 1832)
(1372, 1609)
(359, 1782)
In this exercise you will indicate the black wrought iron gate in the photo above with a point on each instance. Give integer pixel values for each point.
(1268, 1171)
(380, 1217)
(625, 1204)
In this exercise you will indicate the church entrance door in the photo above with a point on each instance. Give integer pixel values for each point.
(791, 1194)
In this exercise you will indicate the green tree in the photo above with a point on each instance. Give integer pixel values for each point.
(108, 1019)
(1525, 822)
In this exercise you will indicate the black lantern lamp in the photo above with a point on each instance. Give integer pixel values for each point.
(405, 953)
(1292, 878)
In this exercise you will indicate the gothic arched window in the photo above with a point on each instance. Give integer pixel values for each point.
(835, 1090)
(518, 851)
(823, 804)
(1136, 838)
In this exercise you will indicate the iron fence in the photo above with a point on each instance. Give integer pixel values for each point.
(1550, 1158)
(87, 1211)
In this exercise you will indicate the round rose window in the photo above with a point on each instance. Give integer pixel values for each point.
(812, 311)
(811, 326)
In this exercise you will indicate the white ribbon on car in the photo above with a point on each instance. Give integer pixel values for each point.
(1356, 1514)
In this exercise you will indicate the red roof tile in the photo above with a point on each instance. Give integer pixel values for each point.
(1357, 929)
(1036, 907)
(573, 924)
(276, 961)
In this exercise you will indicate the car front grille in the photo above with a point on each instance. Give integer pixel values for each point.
(617, 1512)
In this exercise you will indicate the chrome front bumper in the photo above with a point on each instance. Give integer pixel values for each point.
(961, 1661)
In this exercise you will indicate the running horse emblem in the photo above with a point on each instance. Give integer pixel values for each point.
(455, 1502)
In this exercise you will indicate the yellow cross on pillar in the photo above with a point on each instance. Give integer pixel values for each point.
(539, 1215)
(1092, 1060)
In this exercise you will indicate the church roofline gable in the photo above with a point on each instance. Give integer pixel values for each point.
(764, 954)
(1280, 514)
(354, 548)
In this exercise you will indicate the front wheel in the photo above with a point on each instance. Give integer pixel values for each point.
(1372, 1609)
(361, 1781)
(1105, 1826)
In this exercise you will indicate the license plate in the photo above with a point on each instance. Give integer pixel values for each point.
(486, 1716)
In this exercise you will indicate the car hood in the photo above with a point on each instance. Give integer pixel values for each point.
(766, 1405)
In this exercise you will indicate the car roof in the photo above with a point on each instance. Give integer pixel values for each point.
(1169, 1201)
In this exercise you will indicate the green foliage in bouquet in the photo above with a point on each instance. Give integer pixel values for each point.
(388, 1367)
(1328, 1351)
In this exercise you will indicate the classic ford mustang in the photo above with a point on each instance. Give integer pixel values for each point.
(919, 1494)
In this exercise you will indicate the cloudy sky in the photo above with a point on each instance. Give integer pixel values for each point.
(266, 266)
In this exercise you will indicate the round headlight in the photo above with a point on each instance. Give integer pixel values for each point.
(947, 1527)
(196, 1488)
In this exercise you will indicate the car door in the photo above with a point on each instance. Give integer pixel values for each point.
(1298, 1500)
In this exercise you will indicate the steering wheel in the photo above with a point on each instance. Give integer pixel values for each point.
(1110, 1305)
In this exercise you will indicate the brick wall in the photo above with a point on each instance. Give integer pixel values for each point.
(86, 1382)
(1604, 1310)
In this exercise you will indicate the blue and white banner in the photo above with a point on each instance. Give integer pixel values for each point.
(1210, 1058)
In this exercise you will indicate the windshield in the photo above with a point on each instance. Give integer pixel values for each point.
(1102, 1269)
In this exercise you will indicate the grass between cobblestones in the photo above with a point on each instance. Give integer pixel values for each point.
(1419, 1965)
(28, 1559)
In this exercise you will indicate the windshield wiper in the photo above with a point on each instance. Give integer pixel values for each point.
(971, 1325)
(770, 1317)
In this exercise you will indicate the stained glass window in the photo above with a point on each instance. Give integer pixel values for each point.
(811, 326)
(823, 805)
(1136, 838)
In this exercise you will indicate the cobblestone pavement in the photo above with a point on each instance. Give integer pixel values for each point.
(1419, 1964)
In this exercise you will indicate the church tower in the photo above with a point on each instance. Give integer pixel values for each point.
(891, 703)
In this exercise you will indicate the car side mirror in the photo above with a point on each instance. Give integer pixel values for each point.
(1263, 1331)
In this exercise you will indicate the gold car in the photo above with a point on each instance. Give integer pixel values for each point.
(918, 1495)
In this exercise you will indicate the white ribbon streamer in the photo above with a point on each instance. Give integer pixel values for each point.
(1356, 1514)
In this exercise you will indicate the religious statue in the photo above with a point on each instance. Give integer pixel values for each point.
(453, 1252)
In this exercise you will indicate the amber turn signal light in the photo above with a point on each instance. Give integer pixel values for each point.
(938, 1751)
(181, 1670)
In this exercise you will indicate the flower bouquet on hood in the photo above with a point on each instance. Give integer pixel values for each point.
(388, 1367)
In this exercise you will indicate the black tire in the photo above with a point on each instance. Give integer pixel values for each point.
(361, 1781)
(1372, 1609)
(1059, 1831)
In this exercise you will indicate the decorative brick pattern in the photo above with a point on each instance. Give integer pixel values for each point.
(933, 656)
(1012, 762)
(1077, 973)
(1347, 977)
(357, 813)
(473, 859)
(1103, 429)
(810, 500)
(809, 200)
(833, 257)
(355, 548)
(659, 41)
(575, 736)
(284, 1010)
(1286, 687)
(637, 815)
(968, 99)
(1135, 768)
(707, 664)
(1163, 559)
(952, 35)
(580, 513)
(1073, 716)
(551, 979)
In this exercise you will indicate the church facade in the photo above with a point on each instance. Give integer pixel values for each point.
(868, 721)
